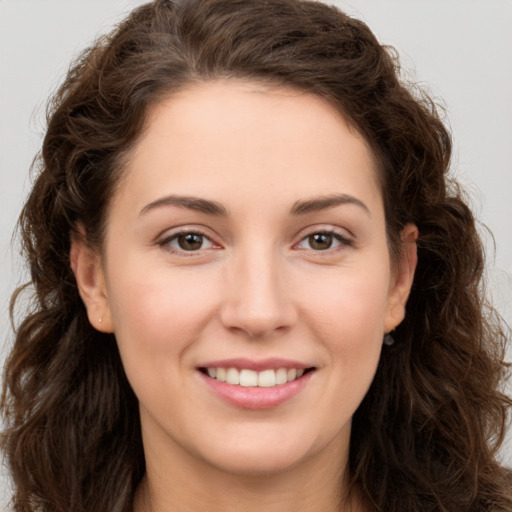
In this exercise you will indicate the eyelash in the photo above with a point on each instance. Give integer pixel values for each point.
(166, 243)
(343, 240)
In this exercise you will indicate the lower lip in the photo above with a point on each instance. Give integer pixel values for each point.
(256, 397)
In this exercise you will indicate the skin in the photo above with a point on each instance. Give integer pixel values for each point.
(257, 287)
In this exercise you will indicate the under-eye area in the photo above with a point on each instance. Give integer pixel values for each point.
(251, 378)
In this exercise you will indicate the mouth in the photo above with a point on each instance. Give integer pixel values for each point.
(248, 378)
(256, 384)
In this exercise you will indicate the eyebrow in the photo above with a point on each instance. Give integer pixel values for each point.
(214, 208)
(324, 202)
(189, 202)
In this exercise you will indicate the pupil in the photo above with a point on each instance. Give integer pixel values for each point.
(320, 241)
(190, 241)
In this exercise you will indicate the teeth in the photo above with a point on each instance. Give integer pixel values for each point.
(267, 379)
(281, 376)
(233, 376)
(250, 378)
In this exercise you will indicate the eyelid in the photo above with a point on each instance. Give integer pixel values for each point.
(345, 238)
(164, 239)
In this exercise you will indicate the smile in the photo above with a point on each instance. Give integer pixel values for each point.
(256, 384)
(250, 378)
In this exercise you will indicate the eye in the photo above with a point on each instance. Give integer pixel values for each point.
(187, 241)
(323, 241)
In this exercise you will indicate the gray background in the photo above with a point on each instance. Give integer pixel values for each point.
(460, 50)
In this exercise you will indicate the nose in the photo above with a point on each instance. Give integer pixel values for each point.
(257, 300)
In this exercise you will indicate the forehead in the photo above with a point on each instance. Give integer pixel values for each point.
(219, 136)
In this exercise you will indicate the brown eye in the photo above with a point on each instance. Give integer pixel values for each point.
(324, 241)
(190, 241)
(187, 242)
(320, 241)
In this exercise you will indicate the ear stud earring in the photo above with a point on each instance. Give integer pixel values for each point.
(388, 340)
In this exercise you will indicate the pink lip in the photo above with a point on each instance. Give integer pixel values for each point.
(255, 397)
(264, 364)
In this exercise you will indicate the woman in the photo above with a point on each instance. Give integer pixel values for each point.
(242, 246)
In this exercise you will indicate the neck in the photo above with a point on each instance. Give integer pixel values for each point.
(313, 487)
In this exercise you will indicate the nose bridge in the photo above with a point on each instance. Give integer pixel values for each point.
(257, 301)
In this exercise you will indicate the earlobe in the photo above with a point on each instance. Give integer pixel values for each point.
(403, 279)
(88, 270)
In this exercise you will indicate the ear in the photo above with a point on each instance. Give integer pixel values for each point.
(402, 279)
(88, 269)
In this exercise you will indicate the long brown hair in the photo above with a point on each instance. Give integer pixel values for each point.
(426, 435)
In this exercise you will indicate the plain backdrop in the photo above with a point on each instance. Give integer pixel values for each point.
(459, 50)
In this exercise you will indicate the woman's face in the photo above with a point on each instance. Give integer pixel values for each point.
(247, 242)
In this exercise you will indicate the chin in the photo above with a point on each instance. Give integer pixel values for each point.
(253, 465)
(262, 455)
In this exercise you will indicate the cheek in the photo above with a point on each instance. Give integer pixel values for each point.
(347, 315)
(158, 317)
(157, 311)
(352, 302)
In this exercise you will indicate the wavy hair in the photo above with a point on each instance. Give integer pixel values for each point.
(426, 435)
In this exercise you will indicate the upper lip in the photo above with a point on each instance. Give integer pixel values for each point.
(273, 363)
